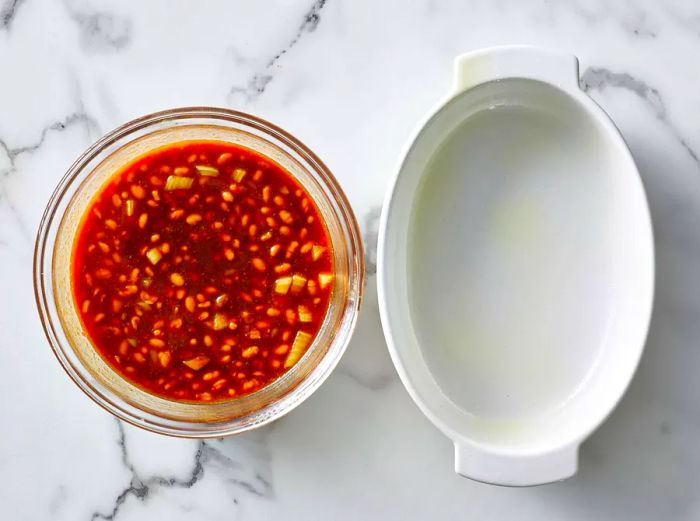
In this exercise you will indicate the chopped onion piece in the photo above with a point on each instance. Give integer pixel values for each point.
(317, 251)
(154, 255)
(129, 207)
(250, 351)
(304, 314)
(196, 363)
(176, 182)
(301, 342)
(208, 171)
(298, 283)
(164, 357)
(324, 279)
(282, 285)
(220, 321)
(239, 174)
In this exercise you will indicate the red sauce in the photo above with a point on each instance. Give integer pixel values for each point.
(202, 271)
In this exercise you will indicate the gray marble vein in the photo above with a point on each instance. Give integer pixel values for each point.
(8, 12)
(12, 153)
(371, 229)
(58, 500)
(206, 456)
(638, 23)
(259, 81)
(372, 383)
(635, 20)
(598, 78)
(101, 30)
(684, 20)
(141, 488)
(71, 120)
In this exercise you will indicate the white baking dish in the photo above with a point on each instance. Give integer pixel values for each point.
(515, 266)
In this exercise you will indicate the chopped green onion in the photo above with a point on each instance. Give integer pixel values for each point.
(324, 279)
(305, 314)
(317, 251)
(220, 321)
(239, 174)
(208, 171)
(154, 255)
(301, 342)
(282, 285)
(197, 362)
(298, 283)
(176, 182)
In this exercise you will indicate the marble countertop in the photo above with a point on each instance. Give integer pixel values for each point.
(350, 79)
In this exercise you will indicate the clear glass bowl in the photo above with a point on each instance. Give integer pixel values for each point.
(59, 317)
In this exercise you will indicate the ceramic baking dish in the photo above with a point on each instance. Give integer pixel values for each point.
(515, 266)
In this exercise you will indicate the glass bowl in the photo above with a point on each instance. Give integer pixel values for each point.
(59, 316)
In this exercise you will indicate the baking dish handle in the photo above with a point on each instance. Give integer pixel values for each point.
(498, 63)
(515, 470)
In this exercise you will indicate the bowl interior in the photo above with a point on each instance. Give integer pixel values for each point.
(523, 228)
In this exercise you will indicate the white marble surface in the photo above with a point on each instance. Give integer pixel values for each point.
(350, 78)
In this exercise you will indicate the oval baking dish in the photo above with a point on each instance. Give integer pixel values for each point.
(515, 266)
